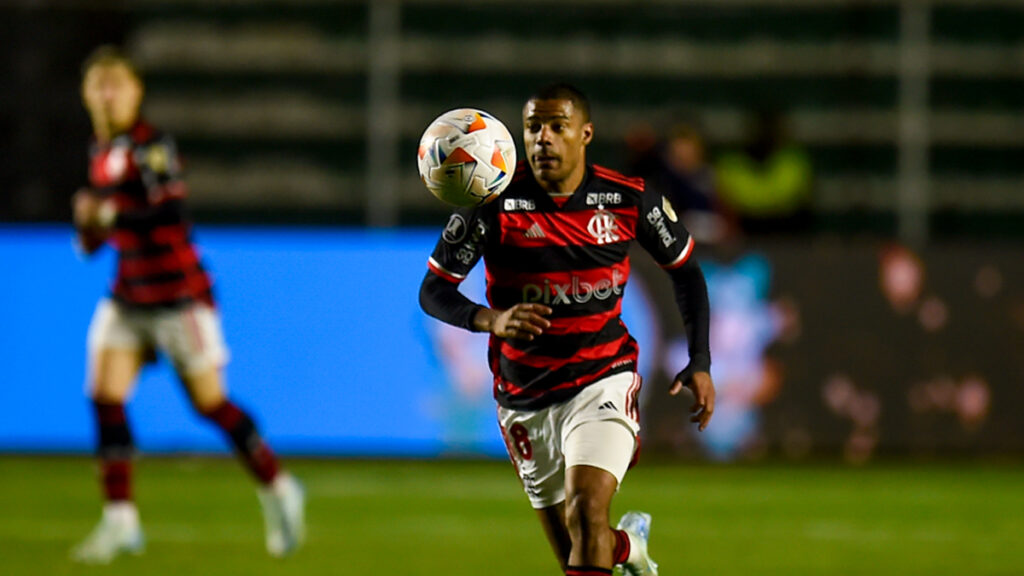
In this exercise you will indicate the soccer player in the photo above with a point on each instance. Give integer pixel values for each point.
(555, 245)
(160, 301)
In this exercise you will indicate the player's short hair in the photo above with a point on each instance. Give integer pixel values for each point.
(109, 55)
(564, 91)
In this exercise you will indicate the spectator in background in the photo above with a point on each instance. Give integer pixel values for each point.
(767, 183)
(677, 168)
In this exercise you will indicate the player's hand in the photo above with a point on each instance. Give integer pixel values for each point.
(524, 321)
(91, 212)
(93, 218)
(703, 395)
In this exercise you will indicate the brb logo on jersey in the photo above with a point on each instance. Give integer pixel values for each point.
(576, 291)
(601, 198)
(513, 204)
(603, 228)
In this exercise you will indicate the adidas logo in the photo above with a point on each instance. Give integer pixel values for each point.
(607, 406)
(534, 231)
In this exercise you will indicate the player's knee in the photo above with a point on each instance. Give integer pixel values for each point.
(205, 390)
(115, 436)
(585, 516)
(206, 407)
(103, 392)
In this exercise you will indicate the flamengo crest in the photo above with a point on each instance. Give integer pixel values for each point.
(603, 227)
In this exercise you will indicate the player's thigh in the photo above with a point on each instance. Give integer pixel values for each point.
(597, 455)
(205, 389)
(193, 339)
(116, 351)
(115, 372)
(601, 425)
(533, 443)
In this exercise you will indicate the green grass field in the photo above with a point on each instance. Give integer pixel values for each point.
(470, 518)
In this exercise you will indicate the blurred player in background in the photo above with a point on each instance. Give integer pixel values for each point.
(161, 301)
(555, 246)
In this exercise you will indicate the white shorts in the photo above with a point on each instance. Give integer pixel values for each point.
(598, 427)
(191, 337)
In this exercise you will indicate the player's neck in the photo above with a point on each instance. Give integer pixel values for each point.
(102, 135)
(101, 130)
(567, 186)
(104, 132)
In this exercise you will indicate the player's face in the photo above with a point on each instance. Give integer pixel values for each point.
(112, 94)
(556, 136)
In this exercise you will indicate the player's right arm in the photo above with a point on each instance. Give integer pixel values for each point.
(93, 215)
(461, 246)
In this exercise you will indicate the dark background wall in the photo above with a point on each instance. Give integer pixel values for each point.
(280, 106)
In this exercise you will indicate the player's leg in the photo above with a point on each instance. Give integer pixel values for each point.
(597, 455)
(281, 495)
(552, 519)
(193, 339)
(600, 445)
(116, 355)
(115, 374)
(530, 438)
(206, 391)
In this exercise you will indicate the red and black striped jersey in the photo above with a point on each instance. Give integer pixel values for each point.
(573, 258)
(158, 264)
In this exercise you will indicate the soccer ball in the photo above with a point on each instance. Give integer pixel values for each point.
(466, 157)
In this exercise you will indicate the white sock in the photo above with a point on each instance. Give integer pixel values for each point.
(122, 512)
(280, 483)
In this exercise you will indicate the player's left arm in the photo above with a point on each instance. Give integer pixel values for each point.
(661, 232)
(160, 170)
(691, 294)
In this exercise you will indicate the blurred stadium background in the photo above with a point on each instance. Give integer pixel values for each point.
(868, 357)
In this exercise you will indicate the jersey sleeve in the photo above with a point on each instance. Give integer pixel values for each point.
(462, 243)
(661, 232)
(160, 169)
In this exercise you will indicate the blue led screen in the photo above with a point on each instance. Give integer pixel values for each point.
(329, 348)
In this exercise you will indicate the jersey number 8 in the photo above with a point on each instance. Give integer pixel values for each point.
(521, 439)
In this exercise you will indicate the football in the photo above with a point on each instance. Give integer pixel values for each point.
(466, 157)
